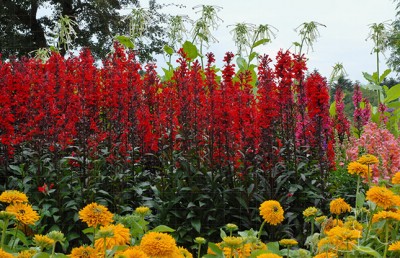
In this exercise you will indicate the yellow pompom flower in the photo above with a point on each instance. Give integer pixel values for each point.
(385, 215)
(23, 213)
(356, 168)
(395, 246)
(288, 242)
(270, 255)
(339, 206)
(381, 196)
(353, 224)
(119, 236)
(42, 241)
(326, 255)
(13, 196)
(368, 159)
(396, 178)
(272, 212)
(83, 252)
(320, 219)
(96, 215)
(310, 212)
(156, 244)
(134, 252)
(343, 238)
(4, 254)
(232, 242)
(330, 223)
(142, 210)
(26, 253)
(184, 252)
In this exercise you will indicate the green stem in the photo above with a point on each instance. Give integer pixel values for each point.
(386, 239)
(358, 188)
(94, 235)
(105, 247)
(3, 235)
(261, 228)
(15, 236)
(198, 252)
(54, 250)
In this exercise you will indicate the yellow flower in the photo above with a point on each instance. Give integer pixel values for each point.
(326, 255)
(23, 213)
(343, 238)
(142, 210)
(288, 242)
(272, 212)
(396, 178)
(310, 212)
(385, 215)
(200, 240)
(233, 242)
(353, 224)
(95, 215)
(156, 244)
(44, 242)
(382, 196)
(13, 196)
(320, 219)
(134, 252)
(368, 159)
(270, 255)
(325, 245)
(339, 206)
(185, 253)
(120, 236)
(331, 223)
(4, 254)
(26, 253)
(395, 246)
(358, 169)
(83, 252)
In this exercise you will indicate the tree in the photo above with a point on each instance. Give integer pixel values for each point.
(95, 22)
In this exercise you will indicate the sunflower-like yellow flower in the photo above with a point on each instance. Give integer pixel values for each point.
(339, 206)
(288, 242)
(134, 252)
(395, 246)
(310, 212)
(184, 252)
(352, 223)
(320, 219)
(269, 255)
(42, 241)
(84, 252)
(330, 223)
(23, 212)
(356, 168)
(156, 244)
(96, 215)
(396, 178)
(343, 238)
(385, 215)
(326, 255)
(368, 159)
(272, 212)
(13, 196)
(142, 210)
(120, 236)
(232, 242)
(382, 196)
(4, 254)
(26, 253)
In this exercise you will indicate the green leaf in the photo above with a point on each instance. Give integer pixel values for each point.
(241, 62)
(332, 109)
(41, 255)
(385, 73)
(196, 224)
(169, 50)
(16, 169)
(215, 249)
(252, 56)
(368, 77)
(222, 233)
(273, 247)
(125, 41)
(360, 200)
(190, 50)
(167, 74)
(163, 228)
(260, 42)
(367, 250)
(393, 93)
(59, 255)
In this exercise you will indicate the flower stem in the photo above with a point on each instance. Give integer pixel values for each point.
(3, 235)
(358, 188)
(261, 228)
(386, 239)
(198, 251)
(54, 250)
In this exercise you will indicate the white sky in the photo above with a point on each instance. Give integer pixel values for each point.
(342, 41)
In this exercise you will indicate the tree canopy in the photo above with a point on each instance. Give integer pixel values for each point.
(94, 22)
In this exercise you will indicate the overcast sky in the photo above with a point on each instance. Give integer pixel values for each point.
(342, 41)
